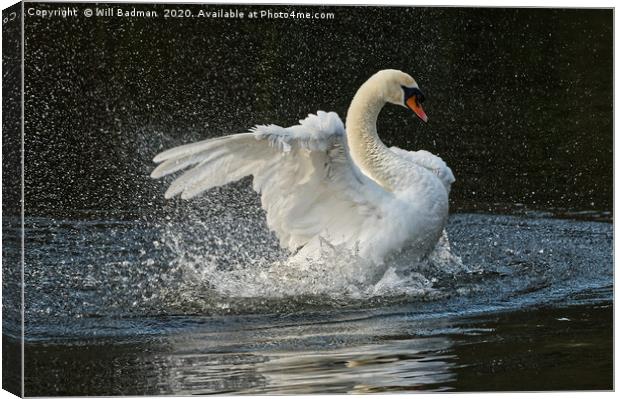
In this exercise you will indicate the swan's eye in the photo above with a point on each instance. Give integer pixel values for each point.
(413, 92)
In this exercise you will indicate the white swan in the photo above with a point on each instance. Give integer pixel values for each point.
(319, 182)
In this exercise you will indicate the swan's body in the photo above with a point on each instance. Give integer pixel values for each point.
(319, 182)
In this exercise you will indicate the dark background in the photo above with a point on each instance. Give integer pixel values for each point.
(519, 100)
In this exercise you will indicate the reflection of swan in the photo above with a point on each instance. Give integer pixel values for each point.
(318, 182)
(415, 363)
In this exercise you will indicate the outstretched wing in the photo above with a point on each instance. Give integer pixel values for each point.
(308, 183)
(429, 161)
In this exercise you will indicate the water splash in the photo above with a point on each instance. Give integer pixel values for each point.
(101, 277)
(336, 275)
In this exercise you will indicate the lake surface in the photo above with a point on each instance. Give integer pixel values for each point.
(123, 310)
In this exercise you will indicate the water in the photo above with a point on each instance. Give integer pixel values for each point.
(125, 310)
(130, 294)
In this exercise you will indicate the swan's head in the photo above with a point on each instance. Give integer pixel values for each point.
(401, 89)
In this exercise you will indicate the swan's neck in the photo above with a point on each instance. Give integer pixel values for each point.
(367, 150)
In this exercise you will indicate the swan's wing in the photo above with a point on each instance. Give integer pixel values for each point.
(429, 161)
(308, 183)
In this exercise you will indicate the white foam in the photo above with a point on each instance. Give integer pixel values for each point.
(334, 274)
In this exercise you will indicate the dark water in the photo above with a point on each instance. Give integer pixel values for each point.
(530, 307)
(567, 349)
(131, 294)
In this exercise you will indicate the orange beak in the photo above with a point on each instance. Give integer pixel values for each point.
(413, 105)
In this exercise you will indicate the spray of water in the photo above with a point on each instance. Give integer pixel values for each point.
(336, 274)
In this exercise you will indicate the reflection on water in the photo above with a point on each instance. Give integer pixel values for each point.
(540, 349)
(391, 366)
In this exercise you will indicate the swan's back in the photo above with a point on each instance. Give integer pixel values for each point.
(429, 161)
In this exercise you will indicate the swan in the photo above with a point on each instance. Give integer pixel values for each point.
(320, 182)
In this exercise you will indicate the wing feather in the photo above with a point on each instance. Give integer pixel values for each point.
(309, 185)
